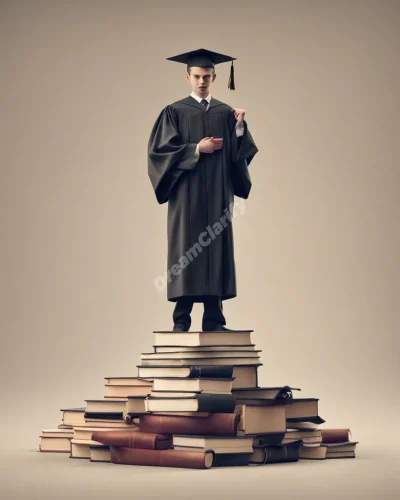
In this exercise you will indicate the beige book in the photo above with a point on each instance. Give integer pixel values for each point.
(73, 416)
(312, 452)
(55, 444)
(205, 348)
(340, 454)
(261, 419)
(100, 453)
(244, 376)
(81, 433)
(128, 381)
(301, 408)
(218, 450)
(105, 405)
(123, 391)
(202, 338)
(195, 354)
(58, 433)
(210, 386)
(201, 361)
(80, 448)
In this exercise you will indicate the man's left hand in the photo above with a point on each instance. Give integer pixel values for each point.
(239, 115)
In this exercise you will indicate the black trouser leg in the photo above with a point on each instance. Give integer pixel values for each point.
(182, 311)
(213, 314)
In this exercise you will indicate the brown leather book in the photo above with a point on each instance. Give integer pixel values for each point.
(162, 458)
(216, 424)
(335, 435)
(137, 439)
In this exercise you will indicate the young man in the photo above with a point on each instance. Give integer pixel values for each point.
(198, 156)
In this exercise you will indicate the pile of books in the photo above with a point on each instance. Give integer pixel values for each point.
(196, 403)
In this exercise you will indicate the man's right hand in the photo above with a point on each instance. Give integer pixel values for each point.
(207, 145)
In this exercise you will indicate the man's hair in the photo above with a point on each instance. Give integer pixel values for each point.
(188, 70)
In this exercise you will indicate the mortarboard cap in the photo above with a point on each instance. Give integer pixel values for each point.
(204, 58)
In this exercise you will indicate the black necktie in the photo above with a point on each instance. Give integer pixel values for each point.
(204, 103)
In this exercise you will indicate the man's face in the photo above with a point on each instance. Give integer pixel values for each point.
(201, 79)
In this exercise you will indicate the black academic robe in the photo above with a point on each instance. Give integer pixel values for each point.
(200, 194)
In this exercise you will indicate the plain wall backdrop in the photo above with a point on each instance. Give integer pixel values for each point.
(82, 235)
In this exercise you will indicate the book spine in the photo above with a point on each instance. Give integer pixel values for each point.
(221, 371)
(133, 439)
(216, 403)
(335, 435)
(217, 424)
(161, 458)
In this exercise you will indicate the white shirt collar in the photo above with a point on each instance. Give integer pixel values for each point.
(199, 99)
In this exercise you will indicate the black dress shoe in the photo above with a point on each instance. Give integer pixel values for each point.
(218, 328)
(180, 328)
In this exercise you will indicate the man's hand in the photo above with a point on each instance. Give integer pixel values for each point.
(239, 114)
(209, 144)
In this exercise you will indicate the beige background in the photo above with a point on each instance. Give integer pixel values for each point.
(83, 236)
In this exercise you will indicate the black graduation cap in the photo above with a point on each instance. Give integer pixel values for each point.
(204, 58)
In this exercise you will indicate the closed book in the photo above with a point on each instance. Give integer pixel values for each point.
(274, 453)
(162, 458)
(189, 371)
(299, 420)
(231, 459)
(212, 403)
(104, 416)
(217, 424)
(335, 435)
(136, 439)
(283, 392)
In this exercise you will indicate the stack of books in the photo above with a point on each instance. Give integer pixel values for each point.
(196, 403)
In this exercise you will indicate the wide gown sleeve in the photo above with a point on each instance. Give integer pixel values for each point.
(243, 150)
(168, 157)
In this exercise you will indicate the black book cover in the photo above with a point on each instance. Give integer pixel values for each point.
(104, 416)
(275, 453)
(209, 403)
(231, 459)
(313, 420)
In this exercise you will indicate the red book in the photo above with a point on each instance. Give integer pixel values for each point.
(137, 439)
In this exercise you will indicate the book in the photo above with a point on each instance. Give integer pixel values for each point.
(168, 338)
(55, 440)
(85, 432)
(304, 422)
(301, 408)
(105, 405)
(268, 438)
(340, 450)
(204, 348)
(335, 435)
(139, 439)
(217, 424)
(80, 448)
(203, 361)
(208, 385)
(100, 453)
(244, 376)
(73, 416)
(283, 392)
(124, 390)
(213, 403)
(231, 459)
(312, 452)
(219, 444)
(128, 381)
(162, 458)
(275, 453)
(196, 354)
(261, 419)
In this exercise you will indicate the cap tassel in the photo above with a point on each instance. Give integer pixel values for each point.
(231, 83)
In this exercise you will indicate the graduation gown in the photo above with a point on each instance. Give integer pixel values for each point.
(200, 193)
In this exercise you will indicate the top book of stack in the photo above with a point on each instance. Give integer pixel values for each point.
(198, 339)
